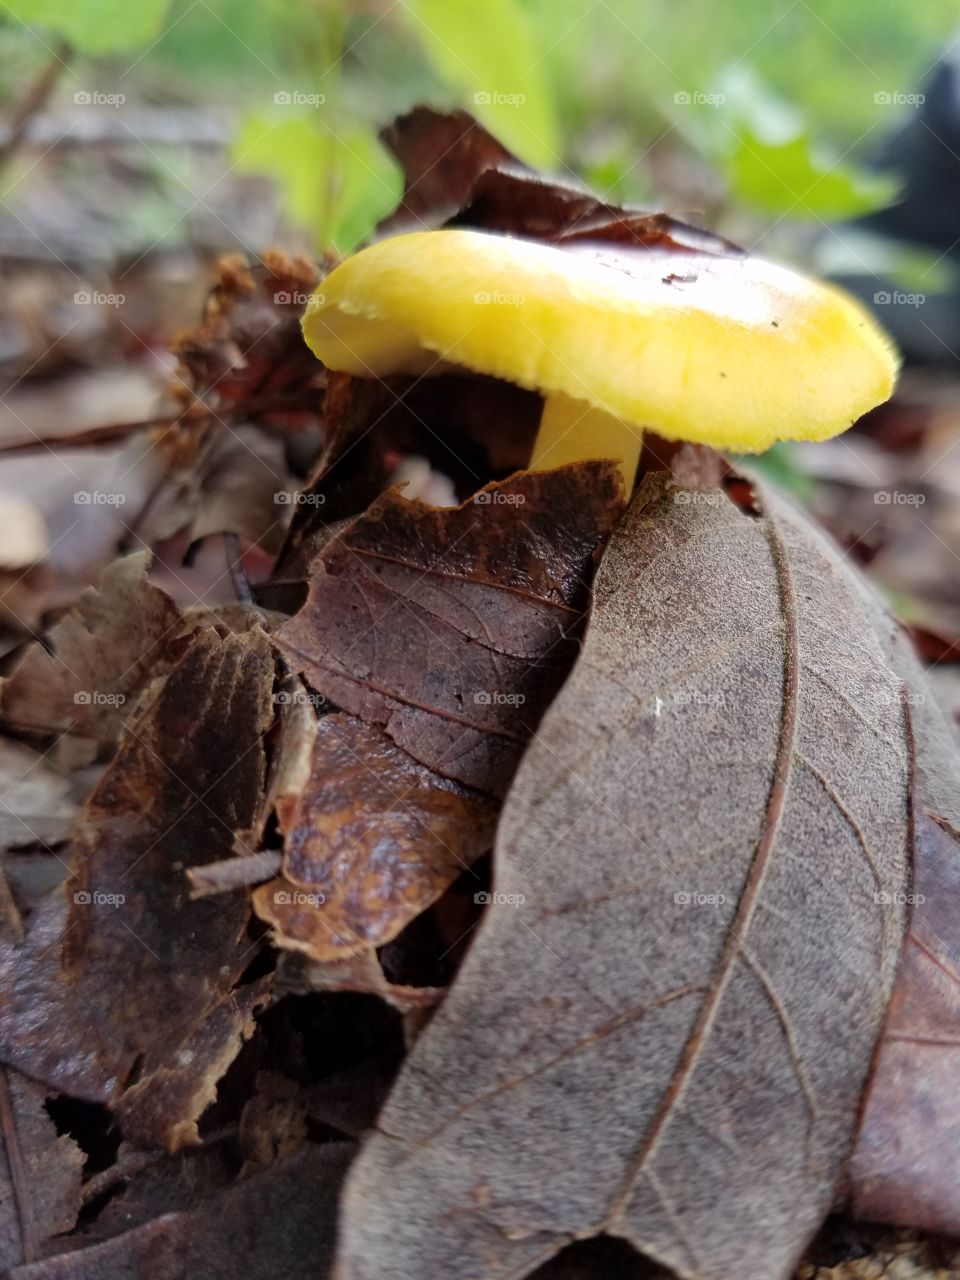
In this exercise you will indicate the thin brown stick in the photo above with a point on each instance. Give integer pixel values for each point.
(195, 413)
(31, 102)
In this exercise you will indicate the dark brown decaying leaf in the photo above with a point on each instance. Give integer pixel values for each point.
(370, 842)
(120, 973)
(465, 427)
(104, 653)
(279, 1222)
(906, 1164)
(524, 204)
(456, 173)
(39, 1172)
(442, 153)
(478, 602)
(671, 1006)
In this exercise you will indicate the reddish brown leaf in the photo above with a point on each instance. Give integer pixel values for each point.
(451, 627)
(524, 204)
(442, 154)
(370, 842)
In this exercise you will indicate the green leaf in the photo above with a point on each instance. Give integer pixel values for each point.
(486, 50)
(94, 26)
(337, 186)
(792, 178)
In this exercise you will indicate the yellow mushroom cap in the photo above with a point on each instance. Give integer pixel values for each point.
(732, 351)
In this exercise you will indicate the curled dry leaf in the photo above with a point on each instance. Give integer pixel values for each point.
(479, 602)
(369, 843)
(120, 975)
(466, 428)
(671, 1006)
(457, 174)
(442, 153)
(361, 974)
(102, 655)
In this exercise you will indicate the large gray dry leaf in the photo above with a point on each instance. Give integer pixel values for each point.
(666, 1038)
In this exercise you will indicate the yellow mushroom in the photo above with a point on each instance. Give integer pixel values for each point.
(727, 351)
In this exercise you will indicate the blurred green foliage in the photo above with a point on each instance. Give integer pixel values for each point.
(92, 26)
(780, 103)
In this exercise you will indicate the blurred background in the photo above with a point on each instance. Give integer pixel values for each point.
(140, 141)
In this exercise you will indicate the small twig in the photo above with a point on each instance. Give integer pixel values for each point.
(233, 873)
(195, 413)
(32, 101)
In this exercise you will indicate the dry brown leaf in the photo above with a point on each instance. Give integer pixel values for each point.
(360, 973)
(670, 1009)
(230, 483)
(121, 979)
(38, 804)
(279, 1222)
(906, 1164)
(442, 153)
(371, 840)
(39, 1172)
(102, 655)
(451, 627)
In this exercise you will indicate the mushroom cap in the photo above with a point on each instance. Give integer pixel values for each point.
(727, 351)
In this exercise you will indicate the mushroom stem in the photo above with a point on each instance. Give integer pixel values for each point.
(572, 430)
